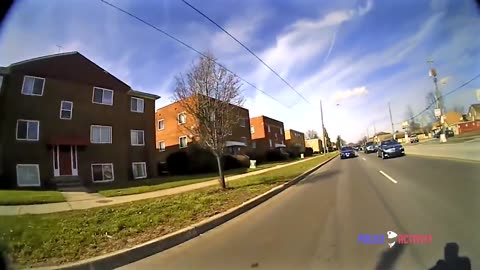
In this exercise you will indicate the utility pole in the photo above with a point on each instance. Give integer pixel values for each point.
(367, 135)
(391, 121)
(59, 48)
(438, 100)
(325, 148)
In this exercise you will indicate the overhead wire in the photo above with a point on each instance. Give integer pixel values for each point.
(191, 48)
(246, 48)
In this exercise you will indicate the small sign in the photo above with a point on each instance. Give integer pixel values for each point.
(438, 112)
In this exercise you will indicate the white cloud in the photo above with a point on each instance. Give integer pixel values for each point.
(364, 10)
(444, 80)
(347, 94)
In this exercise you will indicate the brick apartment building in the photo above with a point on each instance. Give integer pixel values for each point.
(295, 139)
(267, 133)
(172, 134)
(66, 121)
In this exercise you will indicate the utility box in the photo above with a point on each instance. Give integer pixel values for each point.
(253, 164)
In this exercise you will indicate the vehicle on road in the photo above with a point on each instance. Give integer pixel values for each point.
(413, 138)
(448, 133)
(347, 152)
(390, 148)
(369, 148)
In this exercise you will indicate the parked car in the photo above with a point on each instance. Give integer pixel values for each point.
(347, 152)
(390, 148)
(413, 138)
(448, 133)
(369, 148)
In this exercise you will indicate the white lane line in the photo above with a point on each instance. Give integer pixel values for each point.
(388, 177)
(364, 158)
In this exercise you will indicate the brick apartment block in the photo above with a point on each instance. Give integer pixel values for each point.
(172, 134)
(267, 133)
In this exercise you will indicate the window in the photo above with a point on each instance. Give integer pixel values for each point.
(28, 130)
(252, 129)
(182, 141)
(137, 137)
(102, 96)
(102, 172)
(268, 126)
(100, 134)
(281, 132)
(270, 142)
(161, 146)
(1, 82)
(28, 175)
(243, 122)
(182, 118)
(276, 135)
(33, 86)
(161, 124)
(66, 109)
(254, 144)
(243, 139)
(139, 170)
(136, 105)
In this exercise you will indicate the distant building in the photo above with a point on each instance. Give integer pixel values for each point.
(267, 133)
(315, 144)
(295, 139)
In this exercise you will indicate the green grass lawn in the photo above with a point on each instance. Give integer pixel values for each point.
(22, 197)
(160, 183)
(52, 239)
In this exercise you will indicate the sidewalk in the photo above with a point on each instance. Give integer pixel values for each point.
(12, 210)
(467, 150)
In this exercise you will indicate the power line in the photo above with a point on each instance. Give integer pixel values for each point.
(444, 95)
(246, 48)
(189, 47)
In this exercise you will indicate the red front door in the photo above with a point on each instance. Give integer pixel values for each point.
(65, 159)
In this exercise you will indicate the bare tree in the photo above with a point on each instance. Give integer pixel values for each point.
(210, 95)
(311, 134)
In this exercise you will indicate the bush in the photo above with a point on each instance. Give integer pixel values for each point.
(235, 162)
(294, 152)
(178, 163)
(276, 155)
(254, 156)
(201, 160)
(308, 151)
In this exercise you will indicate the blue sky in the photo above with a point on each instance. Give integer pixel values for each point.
(359, 54)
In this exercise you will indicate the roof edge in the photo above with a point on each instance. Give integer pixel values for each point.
(43, 57)
(143, 94)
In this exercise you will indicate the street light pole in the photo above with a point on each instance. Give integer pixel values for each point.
(391, 121)
(325, 150)
(438, 101)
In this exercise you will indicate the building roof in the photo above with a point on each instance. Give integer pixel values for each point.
(453, 117)
(476, 107)
(45, 57)
(266, 117)
(143, 94)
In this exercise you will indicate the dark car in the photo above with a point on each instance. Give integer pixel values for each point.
(369, 148)
(347, 152)
(390, 148)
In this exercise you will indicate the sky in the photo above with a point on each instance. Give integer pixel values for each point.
(355, 56)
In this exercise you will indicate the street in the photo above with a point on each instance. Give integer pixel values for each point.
(315, 224)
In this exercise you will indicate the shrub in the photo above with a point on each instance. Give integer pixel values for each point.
(162, 168)
(178, 163)
(254, 156)
(201, 160)
(308, 151)
(294, 152)
(275, 155)
(235, 162)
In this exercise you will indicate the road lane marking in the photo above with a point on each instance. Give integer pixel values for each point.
(388, 177)
(364, 158)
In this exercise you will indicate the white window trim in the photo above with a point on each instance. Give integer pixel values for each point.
(38, 172)
(158, 126)
(243, 122)
(137, 99)
(143, 137)
(180, 142)
(136, 163)
(243, 139)
(32, 94)
(160, 148)
(281, 131)
(1, 83)
(102, 181)
(270, 143)
(178, 118)
(91, 132)
(103, 89)
(61, 109)
(269, 129)
(252, 129)
(27, 139)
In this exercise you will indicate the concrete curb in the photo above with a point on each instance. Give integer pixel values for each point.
(126, 256)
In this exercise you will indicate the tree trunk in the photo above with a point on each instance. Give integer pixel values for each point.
(221, 177)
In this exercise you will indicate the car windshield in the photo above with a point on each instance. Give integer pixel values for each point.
(369, 143)
(389, 143)
(348, 148)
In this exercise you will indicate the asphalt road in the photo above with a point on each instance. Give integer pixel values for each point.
(315, 224)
